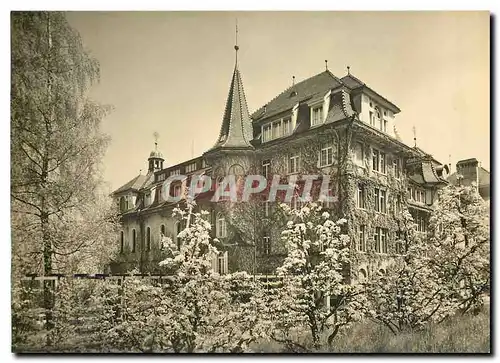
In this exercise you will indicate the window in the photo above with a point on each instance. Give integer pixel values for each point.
(380, 240)
(148, 239)
(397, 168)
(287, 127)
(191, 167)
(266, 165)
(174, 172)
(361, 239)
(379, 161)
(380, 200)
(360, 196)
(221, 230)
(382, 163)
(267, 208)
(177, 190)
(326, 156)
(421, 221)
(317, 116)
(378, 118)
(266, 133)
(266, 244)
(293, 164)
(123, 204)
(276, 129)
(222, 263)
(359, 154)
(385, 126)
(162, 235)
(134, 237)
(376, 160)
(372, 118)
(416, 194)
(122, 242)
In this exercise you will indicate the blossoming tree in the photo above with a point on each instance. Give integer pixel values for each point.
(315, 293)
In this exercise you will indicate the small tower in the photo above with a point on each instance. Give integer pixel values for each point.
(155, 159)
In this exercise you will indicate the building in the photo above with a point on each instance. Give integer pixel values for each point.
(470, 171)
(323, 125)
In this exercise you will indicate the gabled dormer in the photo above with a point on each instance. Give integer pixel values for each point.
(372, 108)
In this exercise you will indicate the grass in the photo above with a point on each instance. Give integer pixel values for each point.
(459, 334)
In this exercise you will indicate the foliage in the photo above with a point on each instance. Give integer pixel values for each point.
(56, 148)
(460, 244)
(410, 294)
(315, 292)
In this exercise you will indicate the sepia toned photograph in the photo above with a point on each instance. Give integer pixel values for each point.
(250, 182)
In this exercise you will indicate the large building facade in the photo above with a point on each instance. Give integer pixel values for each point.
(324, 125)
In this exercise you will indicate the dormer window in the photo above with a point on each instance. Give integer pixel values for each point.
(175, 172)
(191, 167)
(316, 115)
(293, 94)
(277, 129)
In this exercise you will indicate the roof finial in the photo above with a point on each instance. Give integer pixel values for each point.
(293, 80)
(156, 136)
(348, 70)
(326, 64)
(415, 136)
(236, 48)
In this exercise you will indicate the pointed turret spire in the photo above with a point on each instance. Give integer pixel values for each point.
(236, 128)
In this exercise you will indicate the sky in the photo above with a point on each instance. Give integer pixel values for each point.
(170, 72)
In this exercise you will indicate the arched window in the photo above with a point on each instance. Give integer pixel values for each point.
(122, 244)
(362, 275)
(221, 231)
(178, 229)
(123, 204)
(134, 237)
(148, 239)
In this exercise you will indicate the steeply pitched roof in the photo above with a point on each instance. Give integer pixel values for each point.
(307, 89)
(236, 129)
